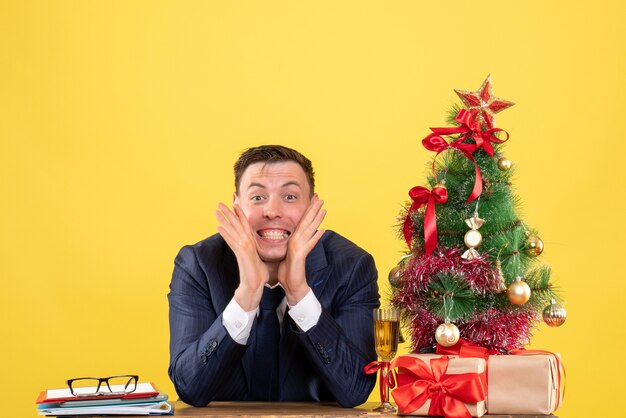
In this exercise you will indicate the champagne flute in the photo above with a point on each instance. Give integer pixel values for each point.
(386, 333)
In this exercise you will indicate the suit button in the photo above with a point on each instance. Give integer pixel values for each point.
(210, 348)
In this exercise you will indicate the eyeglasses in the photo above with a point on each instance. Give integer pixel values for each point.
(103, 386)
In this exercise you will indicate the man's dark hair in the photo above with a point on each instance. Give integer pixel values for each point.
(270, 154)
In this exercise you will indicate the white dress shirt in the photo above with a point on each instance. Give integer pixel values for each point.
(238, 322)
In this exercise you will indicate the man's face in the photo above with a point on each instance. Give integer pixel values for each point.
(274, 197)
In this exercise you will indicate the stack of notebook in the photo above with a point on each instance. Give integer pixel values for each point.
(144, 400)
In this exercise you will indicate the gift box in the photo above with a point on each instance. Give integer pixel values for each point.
(435, 385)
(525, 383)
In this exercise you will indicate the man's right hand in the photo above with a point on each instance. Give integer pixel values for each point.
(253, 274)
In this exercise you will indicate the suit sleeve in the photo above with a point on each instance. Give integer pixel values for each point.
(342, 342)
(201, 350)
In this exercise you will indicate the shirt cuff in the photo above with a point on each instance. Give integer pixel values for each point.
(307, 312)
(238, 323)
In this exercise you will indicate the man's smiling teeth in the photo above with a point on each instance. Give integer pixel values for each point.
(274, 234)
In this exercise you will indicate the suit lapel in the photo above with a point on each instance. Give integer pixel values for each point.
(228, 273)
(315, 269)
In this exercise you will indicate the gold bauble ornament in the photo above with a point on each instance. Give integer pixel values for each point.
(534, 245)
(518, 292)
(394, 276)
(504, 164)
(441, 184)
(554, 314)
(447, 334)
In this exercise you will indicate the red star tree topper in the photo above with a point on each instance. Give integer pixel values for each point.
(483, 104)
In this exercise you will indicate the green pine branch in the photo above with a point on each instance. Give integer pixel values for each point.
(449, 296)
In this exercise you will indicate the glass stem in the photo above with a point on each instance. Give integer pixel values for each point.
(384, 383)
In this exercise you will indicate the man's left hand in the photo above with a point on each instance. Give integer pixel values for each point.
(291, 271)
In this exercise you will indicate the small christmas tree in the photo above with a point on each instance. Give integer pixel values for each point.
(472, 268)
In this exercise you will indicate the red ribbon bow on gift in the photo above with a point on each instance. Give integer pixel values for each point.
(422, 196)
(447, 392)
(466, 349)
(469, 129)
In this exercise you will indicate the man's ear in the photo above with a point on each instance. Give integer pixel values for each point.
(235, 199)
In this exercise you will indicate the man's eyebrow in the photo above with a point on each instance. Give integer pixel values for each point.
(287, 184)
(292, 183)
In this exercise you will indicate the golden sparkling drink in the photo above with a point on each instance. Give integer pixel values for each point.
(386, 335)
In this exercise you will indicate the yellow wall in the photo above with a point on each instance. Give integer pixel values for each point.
(119, 123)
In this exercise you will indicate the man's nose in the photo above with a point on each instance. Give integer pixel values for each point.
(272, 209)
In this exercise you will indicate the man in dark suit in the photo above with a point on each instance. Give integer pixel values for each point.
(273, 307)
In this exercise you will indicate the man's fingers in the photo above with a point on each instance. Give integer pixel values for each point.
(242, 218)
(232, 218)
(235, 229)
(318, 219)
(224, 224)
(307, 224)
(310, 224)
(313, 227)
(314, 208)
(227, 237)
(310, 212)
(307, 235)
(308, 246)
(316, 237)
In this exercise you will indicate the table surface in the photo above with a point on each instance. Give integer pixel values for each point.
(291, 409)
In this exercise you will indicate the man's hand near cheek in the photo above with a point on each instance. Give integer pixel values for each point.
(253, 273)
(291, 271)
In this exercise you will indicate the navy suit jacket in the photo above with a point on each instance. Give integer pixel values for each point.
(323, 364)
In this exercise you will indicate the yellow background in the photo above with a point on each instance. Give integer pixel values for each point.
(120, 121)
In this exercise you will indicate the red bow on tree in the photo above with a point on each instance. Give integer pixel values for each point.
(422, 196)
(469, 129)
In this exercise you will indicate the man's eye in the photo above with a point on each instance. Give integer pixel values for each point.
(257, 198)
(291, 197)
